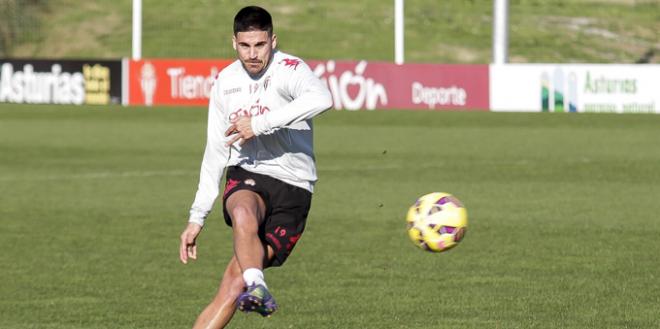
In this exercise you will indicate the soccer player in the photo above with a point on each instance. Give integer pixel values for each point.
(260, 129)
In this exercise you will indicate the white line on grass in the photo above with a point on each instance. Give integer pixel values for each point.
(99, 175)
(128, 174)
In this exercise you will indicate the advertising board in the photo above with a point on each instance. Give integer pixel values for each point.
(172, 81)
(377, 85)
(354, 85)
(615, 88)
(36, 81)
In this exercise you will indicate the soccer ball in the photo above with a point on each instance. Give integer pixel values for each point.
(437, 222)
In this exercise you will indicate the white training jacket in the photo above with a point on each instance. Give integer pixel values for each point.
(282, 103)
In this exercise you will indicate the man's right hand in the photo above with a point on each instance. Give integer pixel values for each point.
(240, 131)
(188, 247)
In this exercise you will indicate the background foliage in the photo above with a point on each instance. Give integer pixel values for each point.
(450, 31)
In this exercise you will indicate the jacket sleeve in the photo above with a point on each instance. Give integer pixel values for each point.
(216, 156)
(310, 97)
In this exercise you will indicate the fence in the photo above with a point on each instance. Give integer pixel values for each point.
(354, 85)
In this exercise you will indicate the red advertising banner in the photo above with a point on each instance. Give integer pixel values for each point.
(353, 85)
(172, 81)
(373, 85)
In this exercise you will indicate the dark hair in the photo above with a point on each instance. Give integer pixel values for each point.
(253, 18)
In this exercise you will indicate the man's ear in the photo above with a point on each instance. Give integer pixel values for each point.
(233, 42)
(274, 39)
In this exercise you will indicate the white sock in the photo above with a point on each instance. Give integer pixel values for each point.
(253, 276)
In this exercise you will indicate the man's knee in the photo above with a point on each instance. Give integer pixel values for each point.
(246, 209)
(242, 211)
(244, 219)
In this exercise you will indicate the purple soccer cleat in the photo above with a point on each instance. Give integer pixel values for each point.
(257, 299)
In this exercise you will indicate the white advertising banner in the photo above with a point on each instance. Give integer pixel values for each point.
(615, 88)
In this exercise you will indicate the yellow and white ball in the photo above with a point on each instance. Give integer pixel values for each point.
(437, 222)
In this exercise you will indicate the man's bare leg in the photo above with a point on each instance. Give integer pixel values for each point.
(247, 211)
(220, 311)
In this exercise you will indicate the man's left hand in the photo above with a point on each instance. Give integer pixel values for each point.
(240, 130)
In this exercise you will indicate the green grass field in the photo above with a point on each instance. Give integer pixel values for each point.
(563, 221)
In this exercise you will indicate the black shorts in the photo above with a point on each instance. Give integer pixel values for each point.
(287, 207)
